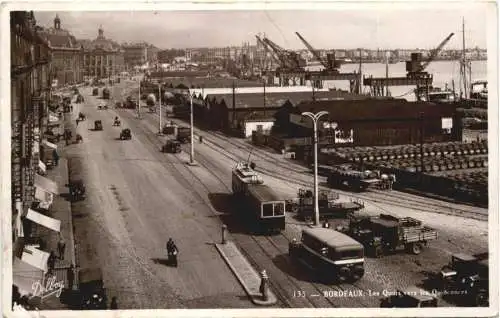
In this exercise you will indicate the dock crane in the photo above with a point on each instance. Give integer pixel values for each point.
(330, 64)
(291, 65)
(415, 76)
(290, 60)
(415, 68)
(331, 71)
(268, 50)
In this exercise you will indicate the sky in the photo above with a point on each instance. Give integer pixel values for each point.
(372, 28)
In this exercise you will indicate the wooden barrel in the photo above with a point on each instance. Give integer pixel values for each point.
(485, 163)
(450, 166)
(457, 165)
(472, 164)
(435, 167)
(443, 167)
(464, 165)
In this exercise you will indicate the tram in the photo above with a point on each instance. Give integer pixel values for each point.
(258, 201)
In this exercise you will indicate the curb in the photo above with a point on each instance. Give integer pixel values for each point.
(255, 298)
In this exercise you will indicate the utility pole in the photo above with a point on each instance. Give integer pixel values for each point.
(421, 143)
(464, 67)
(139, 100)
(159, 105)
(386, 74)
(191, 155)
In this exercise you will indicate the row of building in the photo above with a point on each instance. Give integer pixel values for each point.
(75, 60)
(243, 107)
(257, 54)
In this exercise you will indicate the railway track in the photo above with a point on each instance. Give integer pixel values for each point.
(373, 196)
(303, 294)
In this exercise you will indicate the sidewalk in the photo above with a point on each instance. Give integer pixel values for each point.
(245, 273)
(60, 210)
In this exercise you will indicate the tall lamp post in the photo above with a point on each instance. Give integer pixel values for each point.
(191, 156)
(315, 117)
(159, 103)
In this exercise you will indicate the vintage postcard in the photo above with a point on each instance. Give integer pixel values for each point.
(249, 159)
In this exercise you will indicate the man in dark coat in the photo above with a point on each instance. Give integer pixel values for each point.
(71, 276)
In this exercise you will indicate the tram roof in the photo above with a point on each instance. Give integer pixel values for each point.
(331, 237)
(263, 193)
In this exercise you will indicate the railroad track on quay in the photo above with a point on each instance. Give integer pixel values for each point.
(285, 286)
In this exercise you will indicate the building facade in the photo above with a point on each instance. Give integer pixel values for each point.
(135, 54)
(102, 57)
(30, 94)
(66, 55)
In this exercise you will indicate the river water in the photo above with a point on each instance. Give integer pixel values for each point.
(444, 72)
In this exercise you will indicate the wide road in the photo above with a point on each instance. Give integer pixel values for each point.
(136, 199)
(461, 228)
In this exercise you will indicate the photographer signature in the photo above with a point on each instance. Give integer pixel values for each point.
(47, 287)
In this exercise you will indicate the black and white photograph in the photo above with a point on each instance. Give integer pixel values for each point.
(327, 157)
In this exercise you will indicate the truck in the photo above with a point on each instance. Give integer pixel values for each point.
(183, 134)
(329, 207)
(151, 100)
(130, 103)
(469, 274)
(91, 294)
(105, 93)
(353, 178)
(385, 233)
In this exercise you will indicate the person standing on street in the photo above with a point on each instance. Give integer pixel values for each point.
(61, 246)
(114, 304)
(71, 276)
(51, 263)
(56, 157)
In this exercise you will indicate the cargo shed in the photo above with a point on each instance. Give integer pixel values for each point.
(374, 122)
(228, 112)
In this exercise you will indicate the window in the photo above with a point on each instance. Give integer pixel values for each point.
(267, 209)
(279, 209)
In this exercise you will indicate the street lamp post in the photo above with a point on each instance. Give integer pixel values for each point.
(191, 157)
(159, 103)
(315, 117)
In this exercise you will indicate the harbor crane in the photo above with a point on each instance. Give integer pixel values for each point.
(291, 65)
(331, 71)
(415, 74)
(329, 64)
(268, 50)
(289, 60)
(415, 68)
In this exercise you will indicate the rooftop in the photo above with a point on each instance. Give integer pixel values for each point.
(272, 100)
(374, 108)
(331, 237)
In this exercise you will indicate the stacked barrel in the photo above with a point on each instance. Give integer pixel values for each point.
(448, 168)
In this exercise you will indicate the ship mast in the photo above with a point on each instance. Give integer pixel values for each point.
(463, 67)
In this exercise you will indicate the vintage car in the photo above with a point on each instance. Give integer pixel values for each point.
(125, 134)
(172, 146)
(92, 294)
(97, 125)
(95, 91)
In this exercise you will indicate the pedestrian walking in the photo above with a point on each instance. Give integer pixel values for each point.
(114, 304)
(77, 121)
(56, 157)
(51, 262)
(61, 246)
(70, 273)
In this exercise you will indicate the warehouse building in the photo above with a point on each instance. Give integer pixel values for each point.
(372, 122)
(247, 112)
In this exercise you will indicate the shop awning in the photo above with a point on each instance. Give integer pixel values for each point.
(25, 275)
(45, 142)
(44, 220)
(35, 257)
(42, 166)
(46, 184)
(43, 196)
